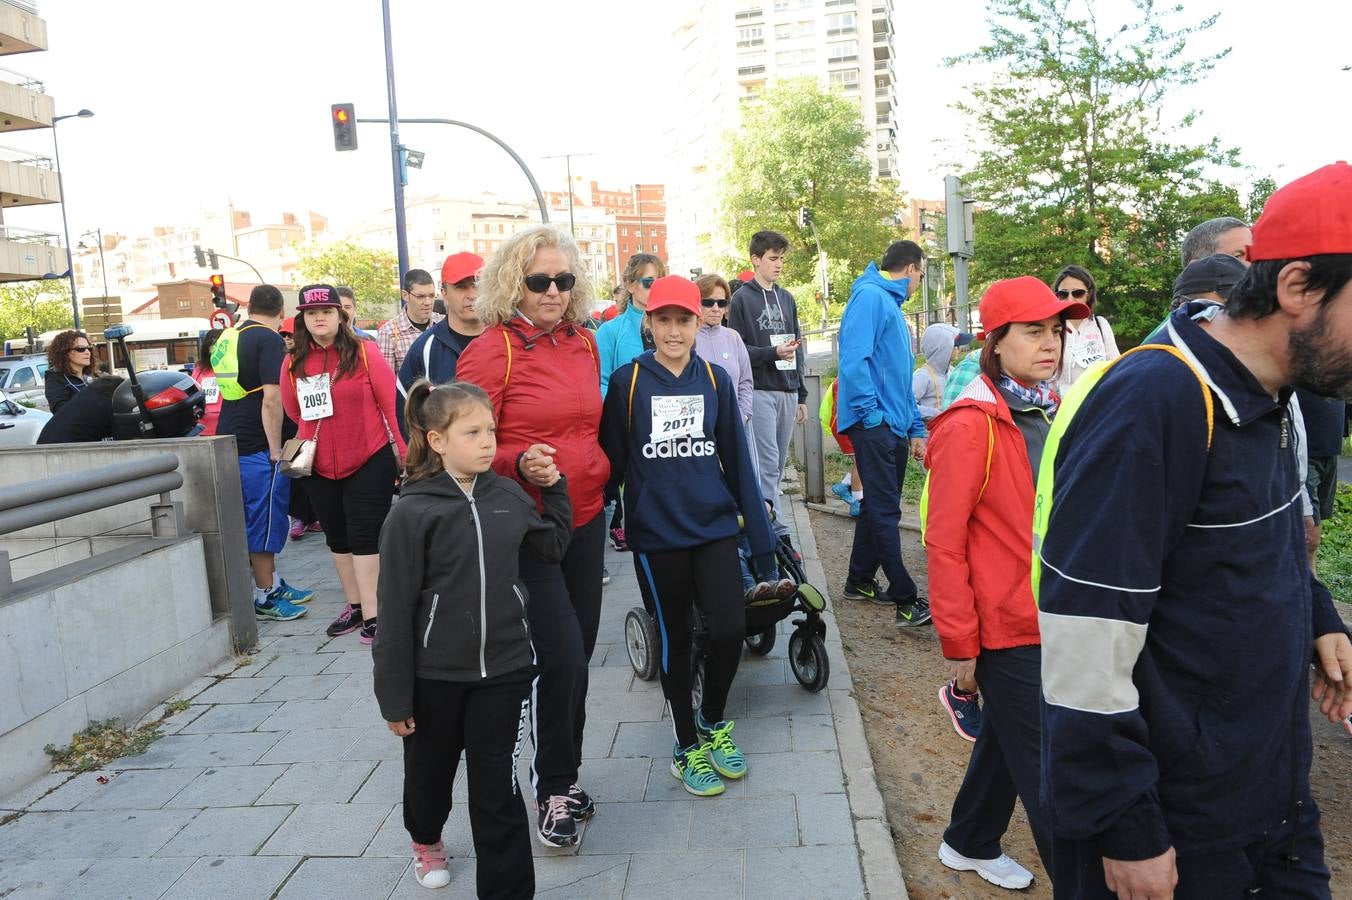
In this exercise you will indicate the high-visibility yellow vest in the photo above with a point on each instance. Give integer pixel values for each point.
(225, 363)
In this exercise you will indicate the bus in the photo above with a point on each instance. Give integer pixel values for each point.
(154, 343)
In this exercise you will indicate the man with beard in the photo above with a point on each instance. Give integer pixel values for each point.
(1179, 616)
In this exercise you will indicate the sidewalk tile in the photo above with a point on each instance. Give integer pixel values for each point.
(326, 782)
(813, 733)
(140, 789)
(356, 686)
(74, 791)
(96, 834)
(698, 875)
(312, 745)
(172, 750)
(598, 738)
(303, 643)
(756, 670)
(235, 690)
(231, 717)
(384, 785)
(609, 680)
(298, 715)
(376, 742)
(232, 878)
(614, 780)
(593, 877)
(344, 878)
(116, 879)
(349, 661)
(226, 786)
(328, 829)
(646, 739)
(626, 827)
(393, 841)
(601, 651)
(295, 664)
(792, 773)
(785, 700)
(735, 823)
(38, 878)
(777, 872)
(180, 720)
(365, 713)
(825, 819)
(762, 735)
(640, 706)
(303, 687)
(227, 831)
(237, 749)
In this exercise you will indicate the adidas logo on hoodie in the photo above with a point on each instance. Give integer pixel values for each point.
(678, 449)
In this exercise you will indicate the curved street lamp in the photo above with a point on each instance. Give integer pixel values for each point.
(65, 228)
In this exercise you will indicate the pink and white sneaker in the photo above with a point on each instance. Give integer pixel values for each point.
(297, 529)
(429, 865)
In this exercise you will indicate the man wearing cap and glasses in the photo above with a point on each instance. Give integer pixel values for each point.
(435, 353)
(1179, 616)
(419, 296)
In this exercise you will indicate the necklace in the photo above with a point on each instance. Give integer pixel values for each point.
(467, 480)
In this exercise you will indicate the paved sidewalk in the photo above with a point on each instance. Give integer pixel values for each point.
(280, 779)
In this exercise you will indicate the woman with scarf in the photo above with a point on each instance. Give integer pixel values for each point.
(983, 458)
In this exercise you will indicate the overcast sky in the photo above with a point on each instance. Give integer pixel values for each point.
(202, 102)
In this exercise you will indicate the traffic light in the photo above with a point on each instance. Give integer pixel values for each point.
(804, 217)
(344, 127)
(200, 256)
(212, 261)
(218, 290)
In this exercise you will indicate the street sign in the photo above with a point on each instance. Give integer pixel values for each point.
(221, 319)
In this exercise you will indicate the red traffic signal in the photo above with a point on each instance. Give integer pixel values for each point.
(344, 126)
(218, 290)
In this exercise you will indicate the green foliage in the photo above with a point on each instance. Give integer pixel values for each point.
(1079, 166)
(373, 275)
(101, 743)
(803, 146)
(1335, 546)
(1259, 192)
(45, 305)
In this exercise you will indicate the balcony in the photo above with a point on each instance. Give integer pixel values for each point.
(21, 31)
(26, 179)
(24, 103)
(26, 255)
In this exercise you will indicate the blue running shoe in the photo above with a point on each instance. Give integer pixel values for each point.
(692, 768)
(963, 709)
(278, 608)
(725, 755)
(290, 594)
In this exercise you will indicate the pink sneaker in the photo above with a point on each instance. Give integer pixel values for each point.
(429, 865)
(315, 527)
(297, 529)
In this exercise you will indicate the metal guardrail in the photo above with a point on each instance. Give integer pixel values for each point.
(29, 236)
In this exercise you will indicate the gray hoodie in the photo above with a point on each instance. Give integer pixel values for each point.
(928, 382)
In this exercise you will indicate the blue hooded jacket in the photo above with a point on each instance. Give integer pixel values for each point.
(876, 359)
(618, 341)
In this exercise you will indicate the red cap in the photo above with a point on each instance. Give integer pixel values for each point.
(288, 325)
(1023, 299)
(745, 275)
(459, 266)
(673, 290)
(1311, 216)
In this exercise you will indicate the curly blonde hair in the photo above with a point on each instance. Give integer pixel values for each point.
(502, 281)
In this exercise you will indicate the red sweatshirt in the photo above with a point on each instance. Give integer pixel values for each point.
(363, 410)
(200, 371)
(548, 394)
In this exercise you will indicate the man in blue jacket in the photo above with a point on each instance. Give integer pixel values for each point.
(437, 350)
(876, 410)
(1178, 613)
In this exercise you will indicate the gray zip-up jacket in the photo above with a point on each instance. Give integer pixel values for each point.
(452, 607)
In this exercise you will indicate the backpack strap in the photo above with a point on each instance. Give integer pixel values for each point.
(712, 380)
(507, 375)
(1201, 382)
(633, 380)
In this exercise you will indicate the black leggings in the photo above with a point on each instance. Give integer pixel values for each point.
(300, 506)
(352, 509)
(565, 613)
(671, 584)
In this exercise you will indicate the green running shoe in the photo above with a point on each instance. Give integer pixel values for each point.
(691, 766)
(726, 757)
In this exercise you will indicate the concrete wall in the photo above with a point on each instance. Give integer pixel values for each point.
(104, 638)
(213, 508)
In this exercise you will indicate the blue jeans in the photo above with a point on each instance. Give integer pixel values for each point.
(881, 458)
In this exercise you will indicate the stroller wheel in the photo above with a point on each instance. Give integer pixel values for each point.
(640, 640)
(761, 642)
(807, 658)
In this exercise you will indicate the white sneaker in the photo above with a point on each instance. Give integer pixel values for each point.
(1001, 872)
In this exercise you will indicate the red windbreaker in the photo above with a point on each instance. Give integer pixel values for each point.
(363, 417)
(979, 527)
(546, 389)
(213, 410)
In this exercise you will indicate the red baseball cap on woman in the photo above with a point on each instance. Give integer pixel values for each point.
(1022, 299)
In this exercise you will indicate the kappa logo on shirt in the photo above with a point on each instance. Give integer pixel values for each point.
(678, 449)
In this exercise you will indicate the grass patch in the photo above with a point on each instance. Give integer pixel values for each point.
(1335, 546)
(837, 464)
(101, 743)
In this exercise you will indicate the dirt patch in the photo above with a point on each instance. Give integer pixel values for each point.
(920, 761)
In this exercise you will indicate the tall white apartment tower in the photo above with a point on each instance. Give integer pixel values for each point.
(728, 52)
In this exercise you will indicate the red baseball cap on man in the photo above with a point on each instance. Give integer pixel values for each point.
(1311, 216)
(1022, 299)
(674, 291)
(460, 266)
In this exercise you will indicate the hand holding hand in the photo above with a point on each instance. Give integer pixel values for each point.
(537, 465)
(402, 729)
(963, 671)
(1333, 676)
(918, 449)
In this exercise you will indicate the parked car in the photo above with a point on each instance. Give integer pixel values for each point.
(21, 378)
(19, 425)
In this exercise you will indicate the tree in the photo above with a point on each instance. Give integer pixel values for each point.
(43, 305)
(799, 147)
(1259, 192)
(373, 275)
(1078, 165)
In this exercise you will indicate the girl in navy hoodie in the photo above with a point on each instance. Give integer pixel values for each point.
(674, 435)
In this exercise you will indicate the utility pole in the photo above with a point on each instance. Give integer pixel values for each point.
(958, 218)
(568, 165)
(396, 149)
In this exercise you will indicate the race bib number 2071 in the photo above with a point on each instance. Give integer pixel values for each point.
(677, 417)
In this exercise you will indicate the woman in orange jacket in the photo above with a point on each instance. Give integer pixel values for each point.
(983, 458)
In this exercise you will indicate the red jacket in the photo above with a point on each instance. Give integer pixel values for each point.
(363, 417)
(980, 542)
(213, 410)
(549, 394)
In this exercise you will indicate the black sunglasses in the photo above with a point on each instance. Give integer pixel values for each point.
(538, 284)
(1078, 294)
(81, 349)
(709, 302)
(647, 282)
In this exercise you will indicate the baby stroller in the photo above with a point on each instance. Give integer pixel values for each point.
(807, 645)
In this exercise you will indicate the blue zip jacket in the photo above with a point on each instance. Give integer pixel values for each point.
(1177, 610)
(876, 359)
(683, 492)
(433, 355)
(618, 341)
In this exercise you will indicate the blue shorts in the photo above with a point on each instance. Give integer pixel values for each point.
(267, 493)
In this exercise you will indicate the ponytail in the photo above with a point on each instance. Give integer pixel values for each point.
(432, 407)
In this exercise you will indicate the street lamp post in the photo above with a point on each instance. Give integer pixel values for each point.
(65, 228)
(103, 269)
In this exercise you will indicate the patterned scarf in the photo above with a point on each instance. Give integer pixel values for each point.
(1040, 395)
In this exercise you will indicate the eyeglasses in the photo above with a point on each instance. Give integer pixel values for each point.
(85, 349)
(1078, 294)
(538, 284)
(720, 302)
(647, 282)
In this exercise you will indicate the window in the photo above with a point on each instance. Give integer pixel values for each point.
(842, 51)
(184, 304)
(750, 36)
(751, 12)
(845, 78)
(839, 23)
(782, 31)
(652, 233)
(743, 71)
(23, 380)
(624, 231)
(805, 56)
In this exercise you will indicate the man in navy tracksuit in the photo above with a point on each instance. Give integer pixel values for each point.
(437, 350)
(1179, 616)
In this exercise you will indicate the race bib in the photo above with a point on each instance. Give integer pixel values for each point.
(676, 417)
(316, 401)
(784, 364)
(211, 390)
(1087, 350)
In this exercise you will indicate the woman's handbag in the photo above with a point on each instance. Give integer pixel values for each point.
(298, 456)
